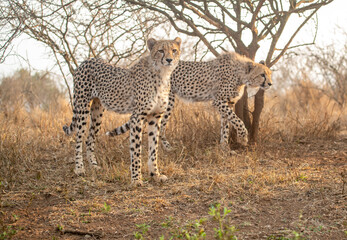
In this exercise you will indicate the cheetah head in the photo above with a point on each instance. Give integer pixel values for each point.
(164, 53)
(258, 75)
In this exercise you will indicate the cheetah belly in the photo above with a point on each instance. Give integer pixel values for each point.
(120, 103)
(198, 91)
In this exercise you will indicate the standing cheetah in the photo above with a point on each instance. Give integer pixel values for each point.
(221, 81)
(143, 90)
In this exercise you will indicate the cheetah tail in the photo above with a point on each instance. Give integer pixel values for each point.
(70, 129)
(119, 130)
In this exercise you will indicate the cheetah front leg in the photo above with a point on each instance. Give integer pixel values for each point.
(81, 125)
(153, 135)
(96, 113)
(224, 129)
(136, 125)
(164, 121)
(227, 113)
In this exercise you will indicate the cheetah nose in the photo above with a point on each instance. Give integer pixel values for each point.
(269, 84)
(169, 60)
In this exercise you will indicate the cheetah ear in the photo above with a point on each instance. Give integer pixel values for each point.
(178, 41)
(262, 62)
(250, 67)
(150, 43)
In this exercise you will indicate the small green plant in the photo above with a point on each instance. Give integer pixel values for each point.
(15, 217)
(302, 178)
(191, 231)
(223, 231)
(194, 230)
(60, 228)
(144, 229)
(7, 233)
(106, 208)
(168, 222)
(298, 236)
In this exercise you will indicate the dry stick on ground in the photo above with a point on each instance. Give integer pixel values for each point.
(78, 232)
(344, 180)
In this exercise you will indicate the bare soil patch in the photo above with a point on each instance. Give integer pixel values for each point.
(291, 190)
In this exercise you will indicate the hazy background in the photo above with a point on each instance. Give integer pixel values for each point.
(31, 54)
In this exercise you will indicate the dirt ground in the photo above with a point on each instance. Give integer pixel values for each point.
(293, 190)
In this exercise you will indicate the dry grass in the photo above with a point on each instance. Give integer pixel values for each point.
(302, 113)
(289, 186)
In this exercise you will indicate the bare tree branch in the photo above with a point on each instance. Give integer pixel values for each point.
(75, 30)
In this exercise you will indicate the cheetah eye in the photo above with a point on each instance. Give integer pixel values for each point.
(263, 75)
(174, 50)
(161, 51)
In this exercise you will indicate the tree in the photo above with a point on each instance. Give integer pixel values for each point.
(29, 91)
(323, 69)
(221, 24)
(77, 29)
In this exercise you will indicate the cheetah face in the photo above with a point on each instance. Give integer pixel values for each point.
(260, 76)
(165, 53)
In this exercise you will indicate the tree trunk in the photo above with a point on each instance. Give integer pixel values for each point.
(246, 116)
(258, 107)
(242, 111)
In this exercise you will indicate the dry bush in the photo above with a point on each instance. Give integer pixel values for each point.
(24, 89)
(28, 137)
(302, 113)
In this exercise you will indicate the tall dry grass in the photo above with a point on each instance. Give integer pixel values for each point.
(28, 137)
(301, 113)
(30, 140)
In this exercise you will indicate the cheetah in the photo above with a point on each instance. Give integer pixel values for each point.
(222, 81)
(142, 90)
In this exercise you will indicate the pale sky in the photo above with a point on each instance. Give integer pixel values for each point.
(329, 17)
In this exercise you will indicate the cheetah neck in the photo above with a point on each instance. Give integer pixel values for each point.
(162, 89)
(163, 73)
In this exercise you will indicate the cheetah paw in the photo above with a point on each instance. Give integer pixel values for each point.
(136, 183)
(160, 178)
(79, 171)
(224, 147)
(243, 141)
(96, 167)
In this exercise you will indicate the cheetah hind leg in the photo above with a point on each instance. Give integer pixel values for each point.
(164, 142)
(242, 136)
(164, 120)
(96, 112)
